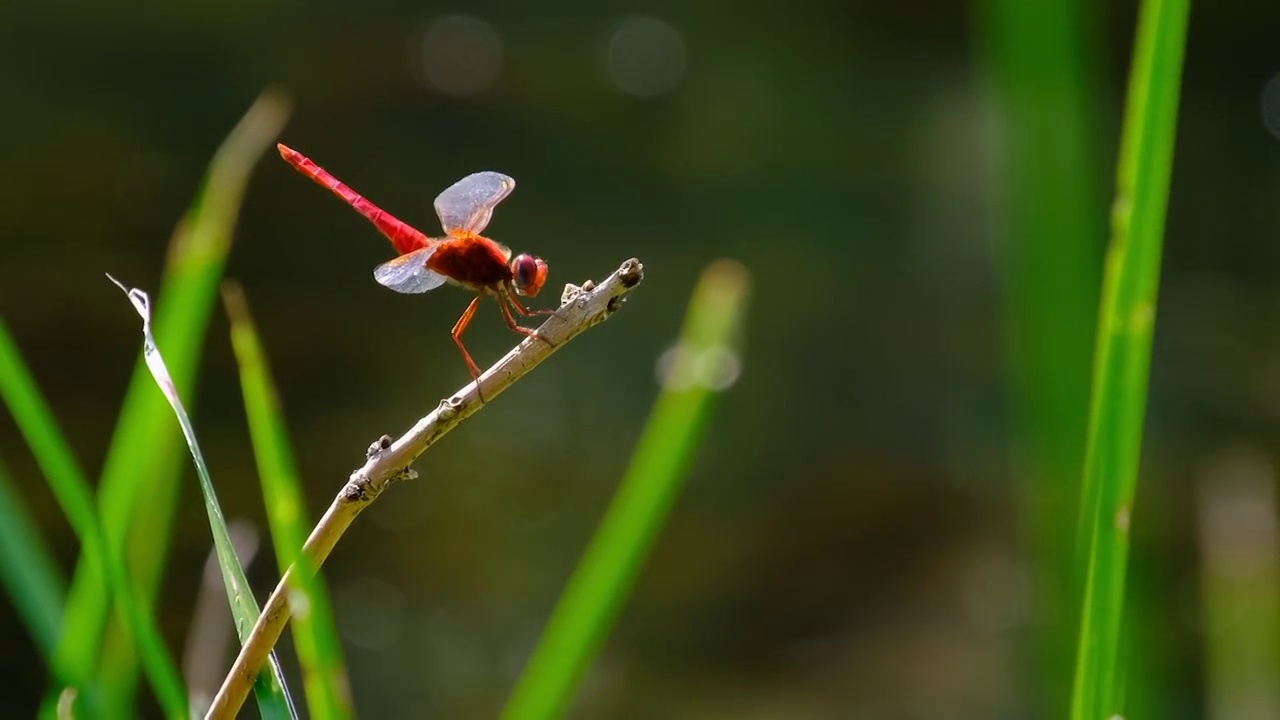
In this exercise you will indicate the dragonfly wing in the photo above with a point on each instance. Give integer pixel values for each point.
(468, 204)
(409, 273)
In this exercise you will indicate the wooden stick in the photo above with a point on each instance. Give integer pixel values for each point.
(389, 460)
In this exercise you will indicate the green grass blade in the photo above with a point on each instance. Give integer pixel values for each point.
(314, 631)
(72, 490)
(140, 480)
(604, 577)
(206, 654)
(1126, 320)
(28, 570)
(1042, 59)
(269, 689)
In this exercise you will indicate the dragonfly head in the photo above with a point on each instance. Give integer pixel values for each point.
(528, 273)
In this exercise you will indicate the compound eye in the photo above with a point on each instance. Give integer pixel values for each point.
(526, 271)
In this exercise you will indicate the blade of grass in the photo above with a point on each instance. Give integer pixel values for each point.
(314, 631)
(589, 606)
(208, 637)
(28, 570)
(1042, 57)
(269, 689)
(56, 460)
(1126, 320)
(140, 479)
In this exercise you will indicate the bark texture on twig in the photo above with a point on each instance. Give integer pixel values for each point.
(389, 460)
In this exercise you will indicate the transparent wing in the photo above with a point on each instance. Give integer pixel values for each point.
(409, 273)
(468, 204)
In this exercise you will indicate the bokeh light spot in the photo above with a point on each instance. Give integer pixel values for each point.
(646, 57)
(681, 368)
(461, 55)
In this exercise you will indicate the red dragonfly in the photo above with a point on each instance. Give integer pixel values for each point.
(462, 257)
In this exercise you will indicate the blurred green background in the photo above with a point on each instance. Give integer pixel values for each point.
(880, 521)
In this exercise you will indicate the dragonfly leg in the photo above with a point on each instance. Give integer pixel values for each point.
(520, 308)
(511, 323)
(461, 327)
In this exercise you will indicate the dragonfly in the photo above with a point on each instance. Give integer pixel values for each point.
(462, 257)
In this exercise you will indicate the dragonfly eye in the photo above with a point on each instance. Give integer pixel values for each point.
(529, 273)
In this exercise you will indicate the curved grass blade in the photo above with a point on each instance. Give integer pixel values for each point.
(1126, 320)
(701, 365)
(314, 631)
(206, 652)
(140, 479)
(71, 488)
(269, 688)
(28, 570)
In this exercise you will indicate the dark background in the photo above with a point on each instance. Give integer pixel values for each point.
(850, 542)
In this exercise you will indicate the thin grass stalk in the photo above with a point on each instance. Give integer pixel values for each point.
(273, 699)
(1043, 63)
(28, 570)
(314, 631)
(1126, 322)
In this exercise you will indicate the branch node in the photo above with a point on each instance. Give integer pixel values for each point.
(356, 489)
(378, 446)
(631, 273)
(449, 407)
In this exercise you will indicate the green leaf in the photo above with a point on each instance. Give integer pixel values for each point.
(314, 631)
(140, 480)
(71, 488)
(28, 570)
(703, 363)
(1126, 320)
(269, 688)
(1043, 59)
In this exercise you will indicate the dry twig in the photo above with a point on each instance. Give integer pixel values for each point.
(389, 460)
